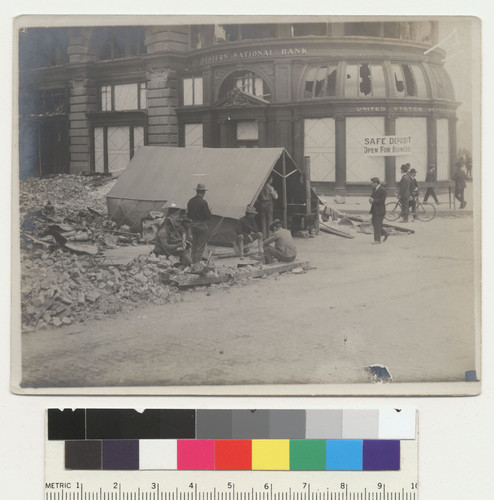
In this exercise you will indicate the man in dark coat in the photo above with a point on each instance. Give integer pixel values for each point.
(198, 212)
(430, 179)
(378, 210)
(404, 191)
(460, 179)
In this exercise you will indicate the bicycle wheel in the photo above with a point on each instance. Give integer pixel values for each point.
(393, 211)
(425, 212)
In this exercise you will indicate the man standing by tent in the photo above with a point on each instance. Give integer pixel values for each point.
(266, 205)
(198, 212)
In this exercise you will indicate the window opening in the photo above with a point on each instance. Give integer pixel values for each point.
(193, 94)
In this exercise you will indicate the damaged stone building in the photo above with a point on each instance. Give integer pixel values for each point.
(358, 98)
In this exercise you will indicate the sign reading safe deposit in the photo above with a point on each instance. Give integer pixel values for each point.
(388, 145)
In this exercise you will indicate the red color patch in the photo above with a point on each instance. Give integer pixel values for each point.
(233, 454)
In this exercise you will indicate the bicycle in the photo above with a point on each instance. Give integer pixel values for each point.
(424, 211)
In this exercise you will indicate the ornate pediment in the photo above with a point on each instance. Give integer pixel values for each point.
(236, 98)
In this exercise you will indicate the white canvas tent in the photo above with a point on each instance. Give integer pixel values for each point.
(234, 178)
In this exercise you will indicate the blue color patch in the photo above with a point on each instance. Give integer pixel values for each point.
(344, 454)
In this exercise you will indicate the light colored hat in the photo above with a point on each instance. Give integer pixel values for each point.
(201, 187)
(250, 210)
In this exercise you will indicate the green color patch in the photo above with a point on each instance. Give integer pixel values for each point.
(307, 454)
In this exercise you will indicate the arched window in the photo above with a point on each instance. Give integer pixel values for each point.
(320, 81)
(247, 82)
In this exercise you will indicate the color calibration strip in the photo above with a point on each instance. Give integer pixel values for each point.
(337, 440)
(233, 454)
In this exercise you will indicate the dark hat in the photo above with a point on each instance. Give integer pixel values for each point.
(250, 210)
(275, 223)
(376, 179)
(201, 187)
(413, 171)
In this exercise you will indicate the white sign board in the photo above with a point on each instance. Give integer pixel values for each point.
(388, 145)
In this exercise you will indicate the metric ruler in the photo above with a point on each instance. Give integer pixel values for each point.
(118, 456)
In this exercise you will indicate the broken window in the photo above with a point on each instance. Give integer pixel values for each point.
(320, 81)
(404, 83)
(247, 82)
(365, 80)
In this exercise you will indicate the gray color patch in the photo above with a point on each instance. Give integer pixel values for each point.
(324, 424)
(214, 424)
(287, 424)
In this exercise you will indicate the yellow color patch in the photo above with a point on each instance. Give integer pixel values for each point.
(270, 454)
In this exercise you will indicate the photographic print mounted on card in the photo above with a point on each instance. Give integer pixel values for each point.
(246, 205)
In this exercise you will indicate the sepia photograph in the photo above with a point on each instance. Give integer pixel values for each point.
(246, 205)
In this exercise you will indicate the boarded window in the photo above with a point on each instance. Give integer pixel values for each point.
(247, 131)
(361, 167)
(319, 145)
(193, 135)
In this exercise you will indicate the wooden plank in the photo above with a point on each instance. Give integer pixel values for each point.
(332, 230)
(189, 280)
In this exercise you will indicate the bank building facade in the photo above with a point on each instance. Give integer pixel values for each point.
(358, 98)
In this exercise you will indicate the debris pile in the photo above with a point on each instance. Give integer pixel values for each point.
(69, 272)
(64, 276)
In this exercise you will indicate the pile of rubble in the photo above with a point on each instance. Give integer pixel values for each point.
(64, 277)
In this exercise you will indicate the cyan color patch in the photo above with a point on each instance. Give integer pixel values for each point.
(344, 454)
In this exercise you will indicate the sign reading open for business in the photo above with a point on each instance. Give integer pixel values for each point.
(388, 145)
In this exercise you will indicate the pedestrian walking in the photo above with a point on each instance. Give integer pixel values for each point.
(266, 205)
(378, 210)
(414, 193)
(404, 192)
(460, 178)
(199, 213)
(430, 179)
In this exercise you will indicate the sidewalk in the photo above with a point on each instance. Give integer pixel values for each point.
(447, 207)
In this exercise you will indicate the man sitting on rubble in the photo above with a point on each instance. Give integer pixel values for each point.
(173, 238)
(284, 246)
(247, 233)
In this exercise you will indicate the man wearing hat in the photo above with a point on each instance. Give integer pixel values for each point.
(266, 205)
(284, 247)
(199, 214)
(172, 238)
(378, 210)
(414, 193)
(247, 232)
(404, 191)
(430, 179)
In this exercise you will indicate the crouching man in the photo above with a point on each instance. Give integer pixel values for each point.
(173, 238)
(284, 247)
(247, 233)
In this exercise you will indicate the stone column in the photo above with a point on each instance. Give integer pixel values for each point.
(83, 99)
(162, 100)
(453, 146)
(340, 154)
(390, 161)
(162, 83)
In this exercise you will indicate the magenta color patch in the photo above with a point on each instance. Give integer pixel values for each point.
(195, 454)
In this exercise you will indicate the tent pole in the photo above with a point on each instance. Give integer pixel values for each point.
(285, 201)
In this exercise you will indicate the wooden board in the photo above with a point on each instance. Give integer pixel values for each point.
(190, 280)
(325, 228)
